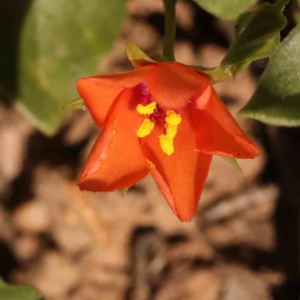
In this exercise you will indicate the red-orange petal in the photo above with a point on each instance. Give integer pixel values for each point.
(116, 160)
(99, 92)
(182, 175)
(217, 132)
(173, 84)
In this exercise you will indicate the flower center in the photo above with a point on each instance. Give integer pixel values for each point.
(154, 113)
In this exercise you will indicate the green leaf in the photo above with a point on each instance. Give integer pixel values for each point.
(277, 99)
(232, 161)
(226, 9)
(62, 41)
(18, 292)
(137, 56)
(257, 36)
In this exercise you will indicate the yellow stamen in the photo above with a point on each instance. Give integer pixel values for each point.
(146, 109)
(173, 118)
(166, 141)
(166, 144)
(145, 128)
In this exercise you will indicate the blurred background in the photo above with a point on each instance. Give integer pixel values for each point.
(244, 242)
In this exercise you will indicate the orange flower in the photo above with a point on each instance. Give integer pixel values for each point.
(163, 118)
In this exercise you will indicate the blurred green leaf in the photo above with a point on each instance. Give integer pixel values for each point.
(277, 99)
(62, 41)
(18, 292)
(257, 36)
(226, 9)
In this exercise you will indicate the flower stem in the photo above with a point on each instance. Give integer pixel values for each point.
(170, 29)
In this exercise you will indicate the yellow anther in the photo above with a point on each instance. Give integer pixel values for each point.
(173, 118)
(166, 144)
(171, 131)
(166, 141)
(146, 109)
(146, 128)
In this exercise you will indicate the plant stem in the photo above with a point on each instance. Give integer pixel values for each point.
(170, 29)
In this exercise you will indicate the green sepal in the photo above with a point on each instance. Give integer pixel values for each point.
(215, 74)
(138, 57)
(124, 191)
(75, 104)
(233, 162)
